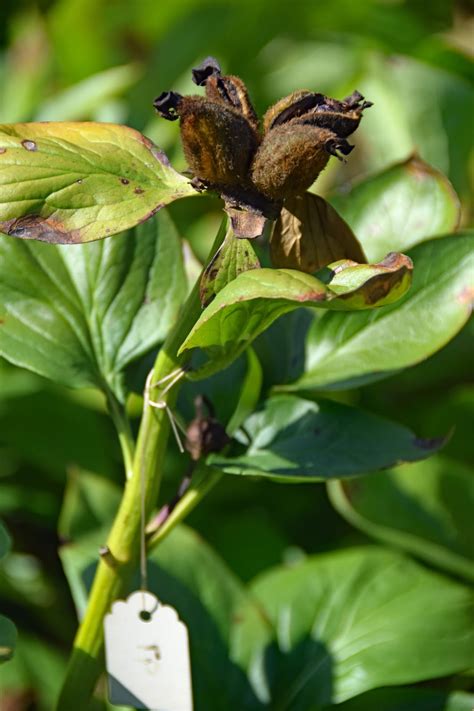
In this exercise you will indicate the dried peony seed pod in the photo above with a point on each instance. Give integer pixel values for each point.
(290, 159)
(255, 175)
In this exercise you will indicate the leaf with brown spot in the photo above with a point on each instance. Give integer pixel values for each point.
(246, 306)
(345, 350)
(309, 234)
(78, 182)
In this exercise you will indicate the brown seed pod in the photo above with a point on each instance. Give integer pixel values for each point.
(290, 159)
(218, 141)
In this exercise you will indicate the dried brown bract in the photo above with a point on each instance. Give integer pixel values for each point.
(257, 171)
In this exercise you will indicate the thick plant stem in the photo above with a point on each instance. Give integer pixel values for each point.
(120, 555)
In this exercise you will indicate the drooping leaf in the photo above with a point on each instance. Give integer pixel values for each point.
(77, 182)
(252, 301)
(355, 620)
(406, 204)
(309, 234)
(80, 314)
(296, 440)
(425, 509)
(234, 256)
(347, 349)
(407, 699)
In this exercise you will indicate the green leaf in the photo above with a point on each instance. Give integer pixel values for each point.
(5, 542)
(406, 204)
(400, 699)
(298, 440)
(79, 315)
(234, 256)
(8, 637)
(252, 301)
(90, 503)
(425, 509)
(345, 350)
(249, 392)
(355, 620)
(77, 182)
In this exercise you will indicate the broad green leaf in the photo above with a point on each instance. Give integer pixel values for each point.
(77, 182)
(252, 301)
(298, 440)
(234, 256)
(405, 204)
(79, 315)
(408, 699)
(347, 349)
(425, 508)
(355, 620)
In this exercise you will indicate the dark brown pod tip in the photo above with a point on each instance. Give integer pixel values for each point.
(333, 145)
(209, 67)
(356, 101)
(166, 105)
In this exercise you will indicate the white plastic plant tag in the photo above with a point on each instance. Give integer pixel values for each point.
(147, 660)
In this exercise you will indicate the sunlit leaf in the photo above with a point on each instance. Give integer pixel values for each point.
(354, 620)
(405, 204)
(347, 349)
(252, 301)
(80, 314)
(77, 182)
(425, 508)
(296, 440)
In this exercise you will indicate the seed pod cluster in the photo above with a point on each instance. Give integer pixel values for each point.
(252, 170)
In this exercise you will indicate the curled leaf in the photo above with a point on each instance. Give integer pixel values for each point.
(309, 234)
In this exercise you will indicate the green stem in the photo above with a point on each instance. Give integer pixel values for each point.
(204, 479)
(122, 425)
(118, 564)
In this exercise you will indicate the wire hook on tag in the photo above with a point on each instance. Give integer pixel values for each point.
(172, 378)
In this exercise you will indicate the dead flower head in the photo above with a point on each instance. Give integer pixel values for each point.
(255, 170)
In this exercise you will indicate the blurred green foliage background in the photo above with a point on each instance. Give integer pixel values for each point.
(105, 60)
